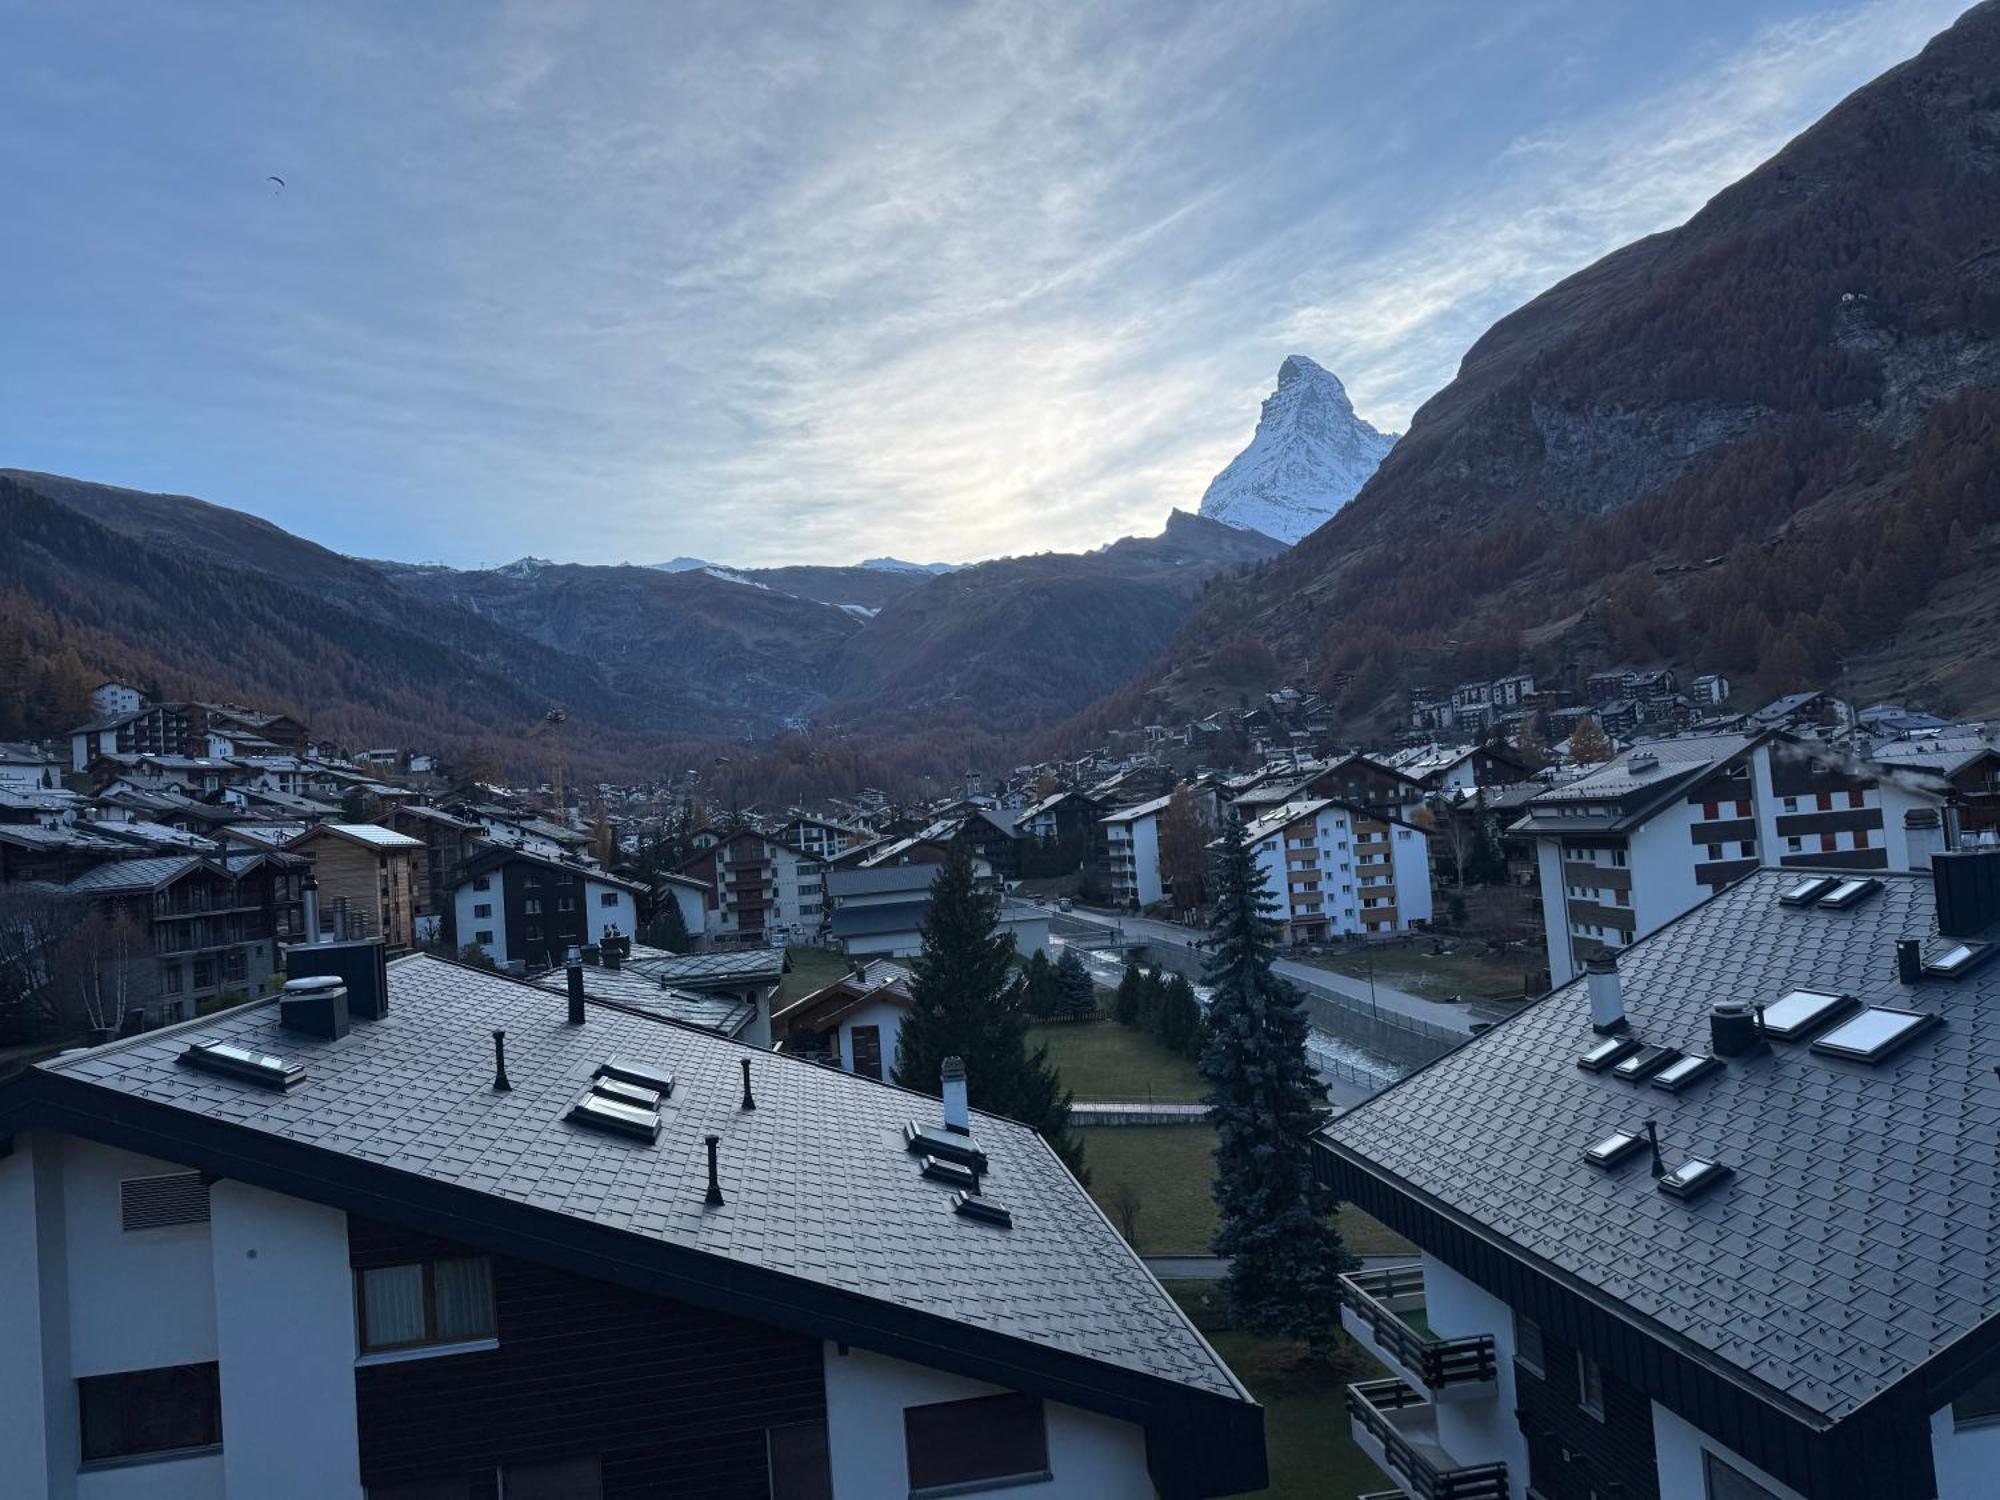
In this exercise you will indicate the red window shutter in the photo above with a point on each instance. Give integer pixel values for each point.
(1827, 843)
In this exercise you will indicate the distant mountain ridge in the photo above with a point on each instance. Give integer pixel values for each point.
(1310, 455)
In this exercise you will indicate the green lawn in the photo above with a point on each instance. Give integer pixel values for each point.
(812, 969)
(1170, 1167)
(1437, 976)
(1104, 1060)
(1307, 1437)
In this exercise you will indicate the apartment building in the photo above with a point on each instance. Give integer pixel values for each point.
(760, 891)
(1336, 870)
(1634, 844)
(368, 880)
(821, 839)
(347, 1245)
(528, 910)
(1707, 1224)
(1132, 853)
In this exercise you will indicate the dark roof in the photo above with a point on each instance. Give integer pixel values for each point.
(827, 1227)
(872, 921)
(125, 876)
(643, 992)
(1630, 792)
(1854, 1243)
(496, 855)
(726, 966)
(879, 879)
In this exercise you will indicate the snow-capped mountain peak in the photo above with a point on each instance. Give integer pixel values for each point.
(1309, 457)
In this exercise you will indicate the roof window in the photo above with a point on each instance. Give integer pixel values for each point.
(924, 1141)
(614, 1118)
(1616, 1147)
(227, 1060)
(1849, 893)
(1605, 1053)
(620, 1092)
(640, 1075)
(1685, 1073)
(1959, 959)
(956, 1173)
(1874, 1034)
(1694, 1177)
(1799, 1013)
(1806, 892)
(985, 1210)
(1645, 1063)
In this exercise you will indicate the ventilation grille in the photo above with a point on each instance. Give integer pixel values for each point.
(158, 1202)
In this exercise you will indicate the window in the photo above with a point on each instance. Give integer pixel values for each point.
(204, 973)
(174, 1409)
(532, 906)
(866, 1046)
(531, 879)
(483, 937)
(1715, 851)
(1856, 799)
(1589, 1386)
(534, 932)
(483, 909)
(430, 1302)
(1791, 804)
(1528, 1344)
(962, 1442)
(1747, 848)
(566, 903)
(482, 883)
(1725, 1483)
(610, 898)
(1794, 845)
(800, 1468)
(234, 968)
(170, 979)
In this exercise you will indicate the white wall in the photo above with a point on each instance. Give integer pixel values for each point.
(888, 1017)
(1967, 1461)
(1146, 858)
(694, 907)
(137, 1300)
(469, 926)
(285, 1326)
(622, 913)
(1678, 1446)
(199, 1477)
(1662, 865)
(1478, 1429)
(1092, 1457)
(1411, 867)
(27, 1437)
(1555, 910)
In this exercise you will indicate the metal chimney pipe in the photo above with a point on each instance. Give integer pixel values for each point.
(309, 916)
(574, 965)
(957, 1110)
(1909, 960)
(749, 1101)
(714, 1180)
(500, 1083)
(1653, 1140)
(1607, 995)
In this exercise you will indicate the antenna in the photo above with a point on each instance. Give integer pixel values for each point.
(1653, 1140)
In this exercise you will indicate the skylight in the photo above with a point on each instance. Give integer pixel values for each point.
(1614, 1148)
(1959, 959)
(985, 1210)
(1645, 1062)
(1694, 1176)
(228, 1060)
(1849, 893)
(641, 1075)
(1607, 1052)
(1806, 892)
(1801, 1012)
(619, 1092)
(1874, 1034)
(926, 1141)
(608, 1115)
(1685, 1073)
(956, 1173)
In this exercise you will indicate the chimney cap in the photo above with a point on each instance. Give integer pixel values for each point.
(952, 1067)
(314, 984)
(1601, 962)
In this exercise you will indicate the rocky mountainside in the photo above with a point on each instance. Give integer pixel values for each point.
(1763, 443)
(1309, 456)
(1015, 644)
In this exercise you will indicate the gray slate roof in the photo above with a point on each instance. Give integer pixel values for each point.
(817, 1182)
(724, 966)
(623, 987)
(1857, 1239)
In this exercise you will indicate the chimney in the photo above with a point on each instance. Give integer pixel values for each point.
(1607, 995)
(957, 1114)
(574, 965)
(1733, 1032)
(1967, 880)
(1909, 960)
(611, 956)
(500, 1083)
(362, 966)
(309, 916)
(1923, 836)
(714, 1178)
(316, 1005)
(749, 1100)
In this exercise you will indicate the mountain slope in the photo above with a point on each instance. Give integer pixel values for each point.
(1760, 443)
(1014, 644)
(1309, 456)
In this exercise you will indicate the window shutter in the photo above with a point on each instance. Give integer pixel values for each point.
(158, 1202)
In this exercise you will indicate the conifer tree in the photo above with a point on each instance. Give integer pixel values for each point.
(1043, 990)
(669, 929)
(1078, 989)
(1152, 995)
(967, 1001)
(1285, 1253)
(1131, 991)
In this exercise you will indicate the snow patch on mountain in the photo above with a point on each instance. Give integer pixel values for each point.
(897, 565)
(682, 565)
(1310, 455)
(523, 567)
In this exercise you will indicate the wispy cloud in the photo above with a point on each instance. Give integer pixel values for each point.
(952, 280)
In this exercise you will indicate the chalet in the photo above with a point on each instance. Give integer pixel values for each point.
(449, 842)
(879, 912)
(462, 1235)
(1364, 781)
(853, 1024)
(27, 768)
(527, 910)
(367, 878)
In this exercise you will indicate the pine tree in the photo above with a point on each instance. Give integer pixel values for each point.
(1078, 989)
(1131, 991)
(1152, 995)
(1043, 988)
(1285, 1253)
(967, 1001)
(1181, 1019)
(669, 929)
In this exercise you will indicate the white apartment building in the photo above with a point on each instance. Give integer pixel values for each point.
(1132, 853)
(1338, 870)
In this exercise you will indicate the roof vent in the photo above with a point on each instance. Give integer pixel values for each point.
(1797, 1014)
(985, 1210)
(1642, 761)
(227, 1060)
(500, 1083)
(1874, 1034)
(1849, 893)
(316, 1005)
(924, 1141)
(1618, 1147)
(957, 1174)
(1688, 1071)
(1959, 960)
(714, 1198)
(1694, 1177)
(1733, 1031)
(1645, 1063)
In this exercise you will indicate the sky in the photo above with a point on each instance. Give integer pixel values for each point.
(773, 282)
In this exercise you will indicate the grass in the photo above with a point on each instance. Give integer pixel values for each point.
(812, 969)
(1307, 1437)
(1437, 976)
(1170, 1168)
(1104, 1060)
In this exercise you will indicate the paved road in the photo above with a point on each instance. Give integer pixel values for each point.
(1437, 1012)
(1213, 1267)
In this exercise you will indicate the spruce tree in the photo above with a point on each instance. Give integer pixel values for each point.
(1079, 990)
(1043, 990)
(1152, 995)
(669, 929)
(1131, 990)
(968, 1001)
(1285, 1253)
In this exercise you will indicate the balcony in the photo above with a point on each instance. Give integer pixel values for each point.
(1383, 1307)
(1397, 1428)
